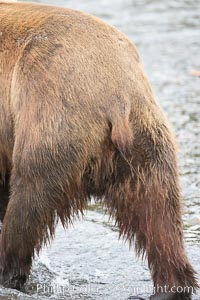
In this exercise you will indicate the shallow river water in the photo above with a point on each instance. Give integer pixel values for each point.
(88, 261)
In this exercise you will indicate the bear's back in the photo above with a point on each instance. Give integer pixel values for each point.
(92, 58)
(77, 43)
(71, 70)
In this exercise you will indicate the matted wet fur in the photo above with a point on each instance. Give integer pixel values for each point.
(78, 120)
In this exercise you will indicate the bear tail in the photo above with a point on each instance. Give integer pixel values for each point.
(121, 134)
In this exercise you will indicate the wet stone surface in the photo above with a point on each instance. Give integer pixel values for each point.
(88, 261)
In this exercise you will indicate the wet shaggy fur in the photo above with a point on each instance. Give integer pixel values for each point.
(78, 119)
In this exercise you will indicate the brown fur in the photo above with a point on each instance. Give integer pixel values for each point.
(78, 120)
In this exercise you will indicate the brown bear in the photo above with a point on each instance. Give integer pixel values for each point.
(78, 119)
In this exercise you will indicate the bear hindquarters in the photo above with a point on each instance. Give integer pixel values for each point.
(145, 200)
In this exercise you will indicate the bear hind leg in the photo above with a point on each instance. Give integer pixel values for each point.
(35, 205)
(144, 199)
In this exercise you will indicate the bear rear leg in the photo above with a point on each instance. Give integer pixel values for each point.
(145, 200)
(30, 220)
